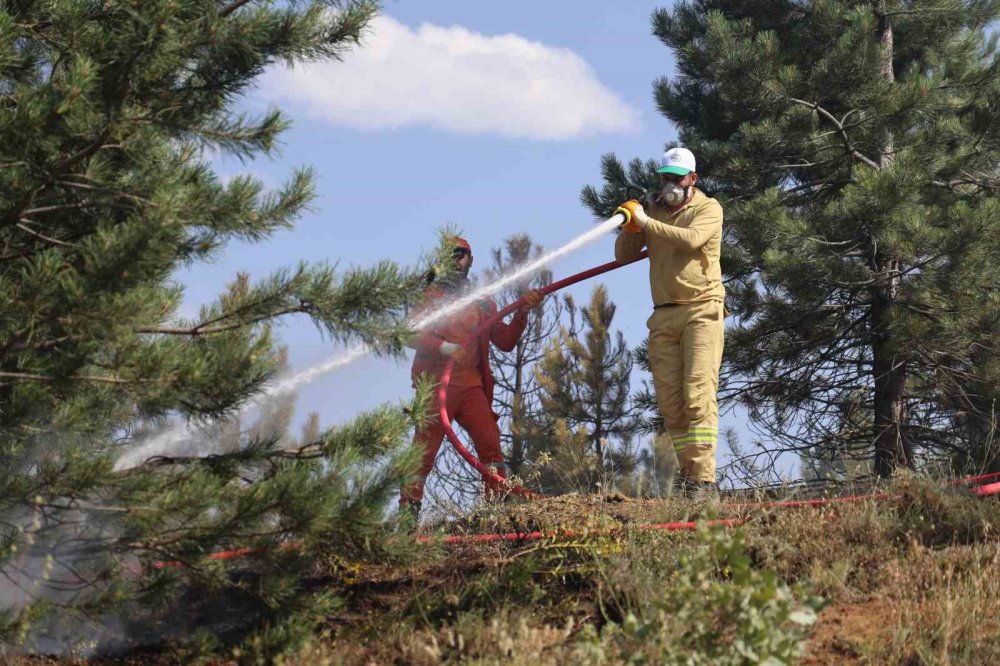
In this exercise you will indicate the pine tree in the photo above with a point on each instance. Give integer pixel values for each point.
(855, 148)
(587, 415)
(109, 117)
(518, 394)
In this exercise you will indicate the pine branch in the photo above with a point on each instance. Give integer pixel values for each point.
(309, 451)
(102, 190)
(840, 128)
(226, 11)
(80, 378)
(58, 208)
(54, 241)
(200, 329)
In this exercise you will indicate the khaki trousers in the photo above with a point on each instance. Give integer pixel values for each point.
(685, 354)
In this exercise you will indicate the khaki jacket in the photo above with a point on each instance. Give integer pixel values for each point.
(684, 250)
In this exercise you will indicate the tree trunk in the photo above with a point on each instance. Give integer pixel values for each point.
(889, 366)
(981, 425)
(517, 445)
(598, 437)
(892, 448)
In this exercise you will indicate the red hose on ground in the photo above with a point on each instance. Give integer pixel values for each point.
(442, 389)
(222, 555)
(981, 491)
(976, 479)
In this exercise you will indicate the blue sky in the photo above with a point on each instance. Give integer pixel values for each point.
(490, 116)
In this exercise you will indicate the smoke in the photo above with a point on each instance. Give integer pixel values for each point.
(58, 557)
(66, 561)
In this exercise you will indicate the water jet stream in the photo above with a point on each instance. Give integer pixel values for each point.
(167, 440)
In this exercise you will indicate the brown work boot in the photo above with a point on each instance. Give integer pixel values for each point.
(700, 492)
(706, 492)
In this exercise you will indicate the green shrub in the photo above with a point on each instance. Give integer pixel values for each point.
(710, 607)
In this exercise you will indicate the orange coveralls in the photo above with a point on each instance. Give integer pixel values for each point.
(470, 391)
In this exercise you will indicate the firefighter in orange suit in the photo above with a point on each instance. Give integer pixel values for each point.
(470, 391)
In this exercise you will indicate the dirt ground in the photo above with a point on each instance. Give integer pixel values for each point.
(841, 630)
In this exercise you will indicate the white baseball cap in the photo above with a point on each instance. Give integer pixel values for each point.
(678, 161)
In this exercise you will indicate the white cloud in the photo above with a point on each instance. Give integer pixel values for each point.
(453, 79)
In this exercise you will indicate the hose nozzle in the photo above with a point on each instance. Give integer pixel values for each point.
(627, 213)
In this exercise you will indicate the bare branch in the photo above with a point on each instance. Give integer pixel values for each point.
(83, 378)
(840, 127)
(55, 241)
(226, 11)
(200, 329)
(104, 190)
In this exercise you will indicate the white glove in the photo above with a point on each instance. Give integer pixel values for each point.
(639, 215)
(451, 349)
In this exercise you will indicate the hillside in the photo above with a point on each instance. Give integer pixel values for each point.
(908, 578)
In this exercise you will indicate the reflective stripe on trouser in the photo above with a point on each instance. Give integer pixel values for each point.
(685, 353)
(468, 406)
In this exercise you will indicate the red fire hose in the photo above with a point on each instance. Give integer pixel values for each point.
(453, 539)
(517, 537)
(984, 491)
(442, 390)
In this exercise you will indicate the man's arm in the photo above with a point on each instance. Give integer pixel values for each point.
(506, 336)
(707, 222)
(628, 247)
(426, 341)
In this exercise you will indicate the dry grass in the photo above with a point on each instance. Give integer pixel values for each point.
(909, 580)
(945, 607)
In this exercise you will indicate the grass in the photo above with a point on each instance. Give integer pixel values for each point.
(906, 580)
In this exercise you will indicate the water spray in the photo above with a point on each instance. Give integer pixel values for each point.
(173, 436)
(178, 433)
(479, 294)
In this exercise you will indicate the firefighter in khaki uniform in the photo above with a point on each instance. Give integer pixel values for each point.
(683, 230)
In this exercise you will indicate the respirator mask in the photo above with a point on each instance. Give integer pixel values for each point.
(673, 194)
